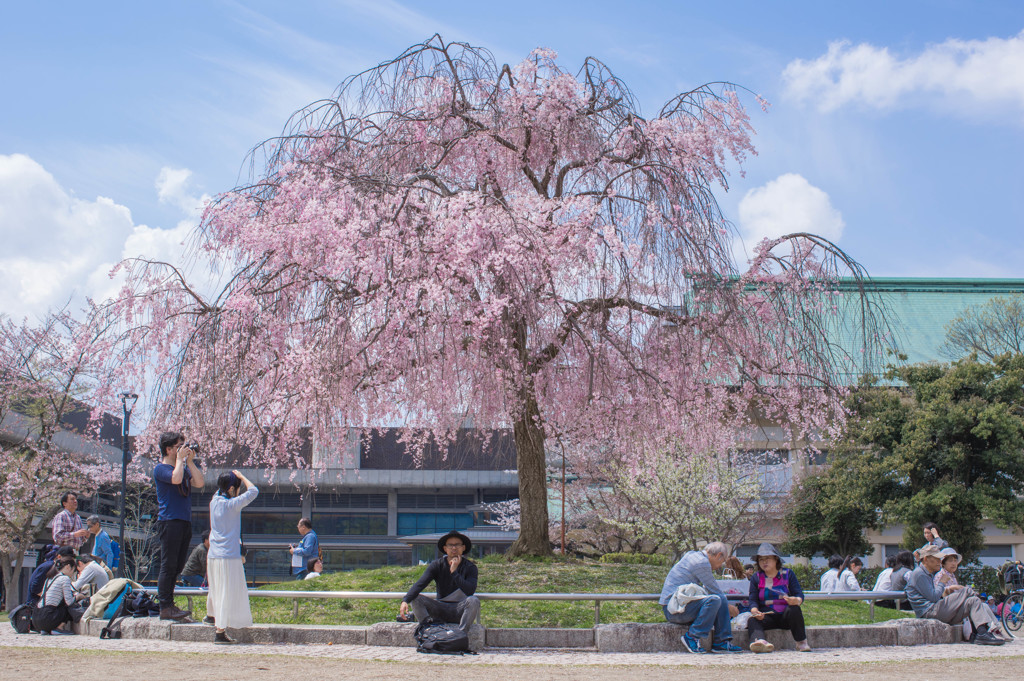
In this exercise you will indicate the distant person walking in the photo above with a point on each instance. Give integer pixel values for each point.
(228, 600)
(308, 547)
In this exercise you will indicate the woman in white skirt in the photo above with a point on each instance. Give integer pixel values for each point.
(228, 600)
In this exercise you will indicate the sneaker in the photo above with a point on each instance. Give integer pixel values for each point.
(725, 647)
(209, 620)
(691, 644)
(987, 638)
(761, 646)
(222, 639)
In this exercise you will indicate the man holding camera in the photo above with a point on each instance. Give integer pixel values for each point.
(455, 577)
(175, 477)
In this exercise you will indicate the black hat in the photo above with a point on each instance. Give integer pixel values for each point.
(465, 540)
(766, 549)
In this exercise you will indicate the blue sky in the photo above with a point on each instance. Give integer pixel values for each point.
(896, 128)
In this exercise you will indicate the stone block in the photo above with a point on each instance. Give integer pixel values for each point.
(398, 634)
(915, 632)
(147, 627)
(540, 638)
(640, 638)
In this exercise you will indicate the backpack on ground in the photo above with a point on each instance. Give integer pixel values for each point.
(141, 604)
(124, 604)
(21, 618)
(441, 638)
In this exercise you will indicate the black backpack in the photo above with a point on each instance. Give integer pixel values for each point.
(21, 618)
(441, 638)
(140, 604)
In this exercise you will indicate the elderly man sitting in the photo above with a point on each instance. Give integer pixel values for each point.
(950, 604)
(706, 606)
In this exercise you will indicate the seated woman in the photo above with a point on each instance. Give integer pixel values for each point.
(898, 579)
(314, 568)
(52, 610)
(847, 580)
(947, 575)
(776, 597)
(885, 576)
(831, 576)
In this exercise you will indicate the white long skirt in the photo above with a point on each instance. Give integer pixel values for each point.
(228, 599)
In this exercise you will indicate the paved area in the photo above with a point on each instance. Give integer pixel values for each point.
(152, 660)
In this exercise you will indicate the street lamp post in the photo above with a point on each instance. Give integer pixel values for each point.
(128, 401)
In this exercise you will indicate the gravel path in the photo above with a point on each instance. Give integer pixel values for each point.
(34, 656)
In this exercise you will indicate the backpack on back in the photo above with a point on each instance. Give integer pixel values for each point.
(441, 638)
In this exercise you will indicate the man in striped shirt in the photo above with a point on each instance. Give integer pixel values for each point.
(68, 528)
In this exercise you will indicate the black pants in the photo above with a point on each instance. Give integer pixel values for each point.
(904, 605)
(49, 617)
(175, 536)
(791, 618)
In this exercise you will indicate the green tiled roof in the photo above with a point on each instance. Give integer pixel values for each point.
(923, 308)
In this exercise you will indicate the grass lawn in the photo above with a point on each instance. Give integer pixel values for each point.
(526, 576)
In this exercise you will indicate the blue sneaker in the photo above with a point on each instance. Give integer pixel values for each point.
(725, 647)
(691, 644)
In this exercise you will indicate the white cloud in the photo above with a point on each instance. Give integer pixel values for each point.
(787, 204)
(172, 186)
(963, 73)
(58, 249)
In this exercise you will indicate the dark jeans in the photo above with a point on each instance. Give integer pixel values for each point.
(464, 612)
(175, 536)
(791, 618)
(193, 580)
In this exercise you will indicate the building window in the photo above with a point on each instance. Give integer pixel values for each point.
(995, 555)
(350, 523)
(428, 523)
(445, 501)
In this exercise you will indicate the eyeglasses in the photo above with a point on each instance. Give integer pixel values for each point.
(453, 546)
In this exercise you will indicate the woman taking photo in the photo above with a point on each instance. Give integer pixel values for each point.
(228, 600)
(776, 597)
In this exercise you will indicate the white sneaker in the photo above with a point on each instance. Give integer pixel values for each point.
(761, 646)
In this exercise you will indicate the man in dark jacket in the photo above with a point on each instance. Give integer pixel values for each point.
(455, 577)
(38, 577)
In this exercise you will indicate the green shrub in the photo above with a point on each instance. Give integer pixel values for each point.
(636, 558)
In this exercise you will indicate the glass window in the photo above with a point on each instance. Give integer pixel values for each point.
(350, 523)
(428, 523)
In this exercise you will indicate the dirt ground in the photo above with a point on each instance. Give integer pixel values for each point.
(252, 664)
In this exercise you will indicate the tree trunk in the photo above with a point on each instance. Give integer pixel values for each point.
(533, 490)
(12, 579)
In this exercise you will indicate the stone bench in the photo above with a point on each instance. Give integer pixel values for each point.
(605, 638)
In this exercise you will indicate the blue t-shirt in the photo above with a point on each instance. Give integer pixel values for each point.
(172, 503)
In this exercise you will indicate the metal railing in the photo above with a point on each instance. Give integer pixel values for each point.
(597, 598)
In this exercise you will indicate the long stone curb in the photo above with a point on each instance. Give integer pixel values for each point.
(606, 638)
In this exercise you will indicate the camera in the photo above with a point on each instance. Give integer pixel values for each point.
(194, 446)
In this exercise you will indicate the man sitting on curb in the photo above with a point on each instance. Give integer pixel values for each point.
(455, 577)
(697, 568)
(950, 604)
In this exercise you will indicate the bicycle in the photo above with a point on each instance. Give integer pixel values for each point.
(1013, 606)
